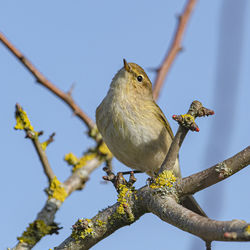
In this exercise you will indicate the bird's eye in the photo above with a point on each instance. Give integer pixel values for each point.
(139, 78)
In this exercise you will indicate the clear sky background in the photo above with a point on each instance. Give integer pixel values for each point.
(84, 42)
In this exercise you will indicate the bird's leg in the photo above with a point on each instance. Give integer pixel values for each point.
(119, 179)
(110, 175)
(132, 179)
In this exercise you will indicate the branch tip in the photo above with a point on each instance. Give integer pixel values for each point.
(230, 235)
(174, 48)
(70, 91)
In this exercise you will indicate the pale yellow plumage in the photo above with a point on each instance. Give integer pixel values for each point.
(131, 123)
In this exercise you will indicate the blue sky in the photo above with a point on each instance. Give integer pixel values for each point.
(84, 42)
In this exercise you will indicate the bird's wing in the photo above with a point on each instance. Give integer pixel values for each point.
(164, 120)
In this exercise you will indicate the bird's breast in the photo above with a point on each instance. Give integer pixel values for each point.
(133, 134)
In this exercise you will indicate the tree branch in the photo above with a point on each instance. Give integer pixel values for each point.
(166, 208)
(209, 230)
(57, 192)
(47, 214)
(186, 123)
(174, 48)
(217, 173)
(23, 123)
(78, 179)
(66, 97)
(43, 158)
(103, 224)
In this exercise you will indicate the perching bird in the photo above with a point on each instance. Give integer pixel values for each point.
(133, 126)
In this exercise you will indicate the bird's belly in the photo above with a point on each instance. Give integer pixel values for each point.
(139, 141)
(138, 147)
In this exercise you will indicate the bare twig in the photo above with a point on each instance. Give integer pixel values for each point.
(174, 49)
(35, 140)
(43, 158)
(219, 172)
(66, 97)
(187, 122)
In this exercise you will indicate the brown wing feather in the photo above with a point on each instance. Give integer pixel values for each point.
(163, 119)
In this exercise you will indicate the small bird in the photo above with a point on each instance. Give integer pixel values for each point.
(132, 125)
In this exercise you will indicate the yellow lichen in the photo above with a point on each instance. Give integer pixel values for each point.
(88, 220)
(131, 217)
(136, 198)
(103, 149)
(88, 231)
(44, 145)
(56, 190)
(82, 229)
(94, 133)
(120, 209)
(188, 117)
(101, 152)
(22, 120)
(223, 170)
(71, 159)
(35, 232)
(247, 229)
(124, 194)
(83, 160)
(164, 179)
(100, 223)
(79, 163)
(114, 217)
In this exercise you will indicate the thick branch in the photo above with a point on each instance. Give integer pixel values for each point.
(66, 97)
(47, 215)
(174, 49)
(110, 223)
(219, 172)
(167, 209)
(209, 230)
(75, 182)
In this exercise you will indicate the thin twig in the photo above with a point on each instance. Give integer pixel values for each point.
(174, 49)
(35, 140)
(196, 110)
(46, 83)
(43, 158)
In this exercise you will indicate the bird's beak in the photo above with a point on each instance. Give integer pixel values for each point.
(126, 66)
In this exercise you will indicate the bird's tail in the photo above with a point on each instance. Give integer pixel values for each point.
(190, 203)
